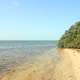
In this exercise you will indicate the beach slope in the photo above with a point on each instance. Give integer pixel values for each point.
(66, 67)
(40, 69)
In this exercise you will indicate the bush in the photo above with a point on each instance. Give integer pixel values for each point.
(71, 37)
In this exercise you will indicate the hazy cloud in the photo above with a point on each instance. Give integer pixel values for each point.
(15, 3)
(12, 3)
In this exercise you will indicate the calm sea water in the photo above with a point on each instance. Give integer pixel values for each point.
(15, 52)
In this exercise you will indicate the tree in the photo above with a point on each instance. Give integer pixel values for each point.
(71, 37)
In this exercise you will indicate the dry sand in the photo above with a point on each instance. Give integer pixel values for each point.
(66, 68)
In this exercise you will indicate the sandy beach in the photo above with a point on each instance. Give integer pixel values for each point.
(67, 67)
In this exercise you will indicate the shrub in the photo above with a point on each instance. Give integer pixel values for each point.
(71, 37)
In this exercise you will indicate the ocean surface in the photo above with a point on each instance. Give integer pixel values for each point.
(17, 52)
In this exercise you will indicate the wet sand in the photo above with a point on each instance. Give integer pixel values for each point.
(66, 67)
(40, 69)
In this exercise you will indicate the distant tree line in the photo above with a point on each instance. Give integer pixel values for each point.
(71, 37)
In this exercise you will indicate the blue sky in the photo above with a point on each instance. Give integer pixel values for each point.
(37, 19)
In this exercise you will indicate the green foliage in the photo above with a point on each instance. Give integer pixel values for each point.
(71, 37)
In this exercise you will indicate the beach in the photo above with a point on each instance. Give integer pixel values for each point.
(31, 60)
(68, 67)
(41, 69)
(48, 66)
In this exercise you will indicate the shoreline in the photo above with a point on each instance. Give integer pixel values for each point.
(41, 69)
(67, 67)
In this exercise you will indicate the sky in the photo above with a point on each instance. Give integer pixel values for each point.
(37, 19)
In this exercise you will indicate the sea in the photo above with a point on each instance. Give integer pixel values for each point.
(17, 52)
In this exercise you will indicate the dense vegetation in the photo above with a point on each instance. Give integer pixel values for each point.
(71, 38)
